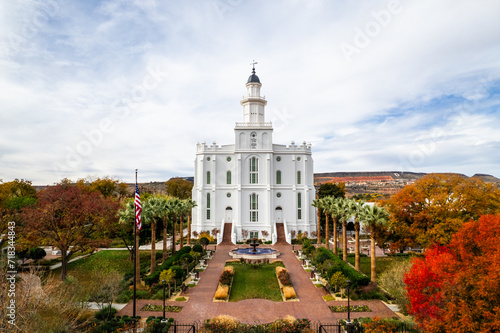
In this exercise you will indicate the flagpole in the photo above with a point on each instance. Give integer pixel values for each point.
(135, 249)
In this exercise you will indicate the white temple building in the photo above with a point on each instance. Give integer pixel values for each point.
(254, 188)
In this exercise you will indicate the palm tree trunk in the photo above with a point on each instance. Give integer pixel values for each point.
(164, 255)
(182, 230)
(344, 240)
(153, 246)
(174, 222)
(326, 231)
(189, 229)
(335, 245)
(356, 247)
(319, 226)
(373, 264)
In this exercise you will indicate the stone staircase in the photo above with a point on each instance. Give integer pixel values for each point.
(280, 231)
(226, 237)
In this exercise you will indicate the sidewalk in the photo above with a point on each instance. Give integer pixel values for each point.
(310, 305)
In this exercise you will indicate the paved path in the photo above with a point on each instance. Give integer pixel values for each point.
(310, 305)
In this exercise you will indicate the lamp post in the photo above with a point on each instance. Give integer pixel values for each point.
(348, 282)
(164, 282)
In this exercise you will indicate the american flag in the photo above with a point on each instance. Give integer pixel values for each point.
(138, 208)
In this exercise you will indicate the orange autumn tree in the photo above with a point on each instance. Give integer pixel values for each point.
(457, 288)
(432, 209)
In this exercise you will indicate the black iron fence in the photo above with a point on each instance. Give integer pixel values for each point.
(263, 328)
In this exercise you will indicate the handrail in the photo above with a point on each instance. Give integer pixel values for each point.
(220, 236)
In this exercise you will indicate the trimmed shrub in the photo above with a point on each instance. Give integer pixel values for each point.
(289, 292)
(198, 248)
(221, 292)
(357, 278)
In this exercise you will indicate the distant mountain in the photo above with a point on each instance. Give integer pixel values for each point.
(383, 182)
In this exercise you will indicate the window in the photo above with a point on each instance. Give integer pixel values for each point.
(299, 178)
(278, 158)
(208, 177)
(299, 206)
(228, 159)
(278, 195)
(254, 207)
(278, 177)
(254, 234)
(228, 177)
(208, 206)
(254, 170)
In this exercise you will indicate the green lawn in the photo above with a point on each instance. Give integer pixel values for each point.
(259, 282)
(382, 264)
(110, 260)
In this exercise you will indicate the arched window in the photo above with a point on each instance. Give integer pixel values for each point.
(299, 178)
(278, 177)
(208, 206)
(254, 207)
(299, 206)
(228, 177)
(254, 170)
(208, 177)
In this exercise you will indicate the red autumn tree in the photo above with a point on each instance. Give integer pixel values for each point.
(68, 218)
(457, 288)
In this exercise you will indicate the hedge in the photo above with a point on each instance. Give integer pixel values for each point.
(357, 279)
(155, 276)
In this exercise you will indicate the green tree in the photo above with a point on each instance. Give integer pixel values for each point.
(190, 204)
(392, 281)
(179, 188)
(371, 217)
(167, 276)
(355, 209)
(127, 216)
(336, 190)
(338, 280)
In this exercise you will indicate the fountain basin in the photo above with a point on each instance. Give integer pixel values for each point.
(250, 253)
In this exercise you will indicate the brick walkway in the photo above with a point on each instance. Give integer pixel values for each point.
(311, 305)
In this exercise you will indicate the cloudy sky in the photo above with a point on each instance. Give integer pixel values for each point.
(99, 88)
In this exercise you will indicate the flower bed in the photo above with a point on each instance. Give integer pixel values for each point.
(224, 287)
(168, 308)
(285, 283)
(352, 308)
(226, 324)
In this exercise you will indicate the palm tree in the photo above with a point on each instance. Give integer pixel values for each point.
(127, 215)
(342, 211)
(163, 211)
(371, 217)
(336, 211)
(174, 206)
(355, 209)
(153, 208)
(318, 204)
(190, 204)
(328, 207)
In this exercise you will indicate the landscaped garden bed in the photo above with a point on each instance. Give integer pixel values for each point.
(228, 324)
(352, 308)
(286, 286)
(224, 288)
(168, 308)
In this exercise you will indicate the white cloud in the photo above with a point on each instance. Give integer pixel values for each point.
(433, 65)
